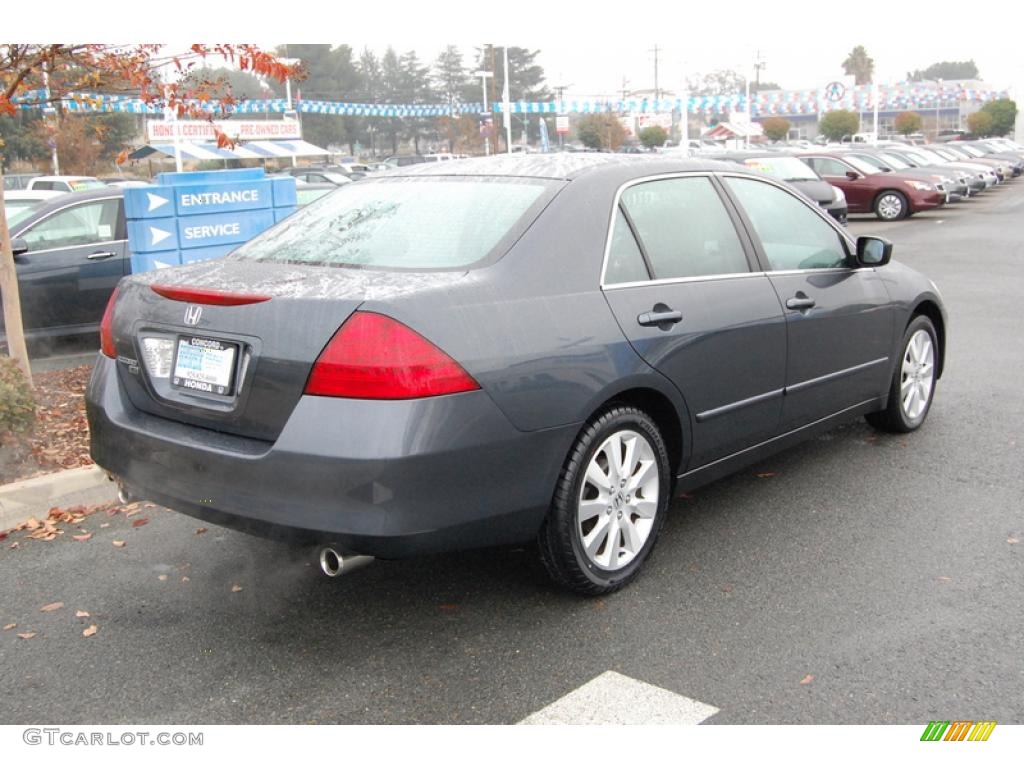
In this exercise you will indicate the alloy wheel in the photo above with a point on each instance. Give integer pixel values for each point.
(618, 500)
(890, 207)
(917, 376)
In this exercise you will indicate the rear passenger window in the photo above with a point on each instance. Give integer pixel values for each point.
(625, 262)
(793, 235)
(684, 228)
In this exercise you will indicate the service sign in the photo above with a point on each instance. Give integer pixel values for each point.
(162, 131)
(222, 228)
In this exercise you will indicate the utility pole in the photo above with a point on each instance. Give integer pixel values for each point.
(625, 92)
(759, 64)
(483, 75)
(657, 92)
(561, 98)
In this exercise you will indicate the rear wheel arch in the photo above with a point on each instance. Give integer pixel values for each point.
(664, 413)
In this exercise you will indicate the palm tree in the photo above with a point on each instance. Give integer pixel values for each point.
(860, 65)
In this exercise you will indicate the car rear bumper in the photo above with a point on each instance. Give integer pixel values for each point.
(382, 478)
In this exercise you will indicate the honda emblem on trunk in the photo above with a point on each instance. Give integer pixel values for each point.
(192, 314)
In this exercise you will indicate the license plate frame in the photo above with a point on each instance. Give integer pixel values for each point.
(217, 365)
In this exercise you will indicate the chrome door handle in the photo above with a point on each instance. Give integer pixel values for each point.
(658, 318)
(800, 302)
(100, 255)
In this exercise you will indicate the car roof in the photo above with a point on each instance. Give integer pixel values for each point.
(64, 178)
(558, 165)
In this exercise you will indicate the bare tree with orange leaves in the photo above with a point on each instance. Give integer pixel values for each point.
(46, 75)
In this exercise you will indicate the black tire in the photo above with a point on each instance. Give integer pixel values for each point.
(895, 417)
(560, 540)
(891, 205)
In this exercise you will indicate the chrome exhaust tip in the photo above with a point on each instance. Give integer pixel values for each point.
(333, 563)
(124, 496)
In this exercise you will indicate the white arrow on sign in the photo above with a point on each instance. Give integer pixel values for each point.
(160, 264)
(158, 235)
(155, 201)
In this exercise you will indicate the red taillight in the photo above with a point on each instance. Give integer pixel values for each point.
(207, 296)
(377, 358)
(106, 327)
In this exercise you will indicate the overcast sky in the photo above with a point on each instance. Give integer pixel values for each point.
(592, 46)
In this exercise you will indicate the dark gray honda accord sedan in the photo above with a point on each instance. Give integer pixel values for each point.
(490, 351)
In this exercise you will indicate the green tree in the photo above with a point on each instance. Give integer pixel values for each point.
(776, 128)
(331, 75)
(1003, 113)
(946, 70)
(417, 89)
(241, 85)
(601, 130)
(526, 83)
(860, 65)
(908, 123)
(369, 91)
(979, 123)
(392, 86)
(21, 139)
(718, 83)
(78, 67)
(839, 123)
(450, 82)
(653, 136)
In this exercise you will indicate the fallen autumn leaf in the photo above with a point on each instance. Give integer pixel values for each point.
(200, 530)
(51, 607)
(807, 680)
(81, 614)
(162, 577)
(9, 626)
(91, 630)
(118, 543)
(140, 522)
(1013, 540)
(236, 588)
(82, 537)
(26, 635)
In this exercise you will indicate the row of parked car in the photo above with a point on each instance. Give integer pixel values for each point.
(892, 180)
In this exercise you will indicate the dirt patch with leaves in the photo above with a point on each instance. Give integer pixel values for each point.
(60, 438)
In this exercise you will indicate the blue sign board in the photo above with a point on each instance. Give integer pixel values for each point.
(148, 235)
(209, 177)
(222, 228)
(191, 217)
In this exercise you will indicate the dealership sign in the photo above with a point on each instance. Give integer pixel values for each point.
(236, 130)
(187, 217)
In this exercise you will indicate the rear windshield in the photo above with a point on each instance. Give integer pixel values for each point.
(440, 223)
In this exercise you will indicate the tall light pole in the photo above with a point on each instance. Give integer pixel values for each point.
(289, 109)
(506, 103)
(938, 100)
(483, 75)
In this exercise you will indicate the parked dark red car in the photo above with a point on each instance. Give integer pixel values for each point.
(890, 196)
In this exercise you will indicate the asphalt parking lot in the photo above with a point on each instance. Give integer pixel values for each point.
(859, 578)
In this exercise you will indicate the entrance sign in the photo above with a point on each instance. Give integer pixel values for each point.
(188, 217)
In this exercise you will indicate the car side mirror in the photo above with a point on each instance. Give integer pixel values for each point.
(19, 246)
(852, 175)
(873, 251)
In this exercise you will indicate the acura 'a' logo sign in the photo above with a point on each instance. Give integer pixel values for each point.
(192, 314)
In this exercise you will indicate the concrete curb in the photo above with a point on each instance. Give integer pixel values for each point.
(23, 499)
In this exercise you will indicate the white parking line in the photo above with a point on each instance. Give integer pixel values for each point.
(614, 699)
